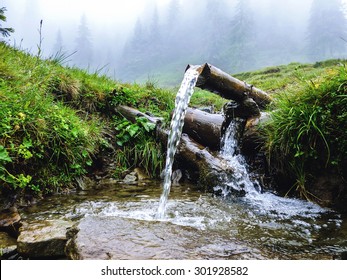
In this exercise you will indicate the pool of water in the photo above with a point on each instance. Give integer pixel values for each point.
(259, 226)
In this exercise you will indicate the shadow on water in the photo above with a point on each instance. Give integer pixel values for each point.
(209, 227)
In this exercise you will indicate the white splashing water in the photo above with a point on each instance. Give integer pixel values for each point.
(240, 179)
(181, 104)
(265, 203)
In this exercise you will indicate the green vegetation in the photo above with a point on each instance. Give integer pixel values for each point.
(142, 149)
(56, 120)
(307, 132)
(4, 31)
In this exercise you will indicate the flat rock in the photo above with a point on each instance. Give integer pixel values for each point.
(9, 220)
(130, 179)
(8, 245)
(105, 238)
(43, 238)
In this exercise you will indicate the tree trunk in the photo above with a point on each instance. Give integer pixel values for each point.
(203, 127)
(221, 83)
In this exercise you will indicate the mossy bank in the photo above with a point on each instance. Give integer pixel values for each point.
(57, 122)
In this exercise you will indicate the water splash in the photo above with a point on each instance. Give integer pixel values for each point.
(239, 180)
(264, 204)
(181, 104)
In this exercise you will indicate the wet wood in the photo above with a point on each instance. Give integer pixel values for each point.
(203, 127)
(252, 139)
(227, 86)
(131, 114)
(204, 167)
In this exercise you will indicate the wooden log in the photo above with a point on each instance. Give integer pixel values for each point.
(203, 127)
(252, 140)
(131, 114)
(205, 168)
(223, 84)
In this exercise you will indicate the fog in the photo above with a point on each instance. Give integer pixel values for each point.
(154, 40)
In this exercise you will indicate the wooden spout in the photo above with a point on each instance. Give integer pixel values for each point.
(225, 85)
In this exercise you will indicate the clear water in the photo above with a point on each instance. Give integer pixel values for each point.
(181, 104)
(198, 225)
(239, 180)
(204, 226)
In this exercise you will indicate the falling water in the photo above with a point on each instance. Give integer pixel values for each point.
(240, 179)
(181, 104)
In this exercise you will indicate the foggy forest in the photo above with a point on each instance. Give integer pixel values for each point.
(156, 39)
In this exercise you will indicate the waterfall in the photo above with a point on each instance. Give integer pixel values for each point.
(239, 180)
(181, 104)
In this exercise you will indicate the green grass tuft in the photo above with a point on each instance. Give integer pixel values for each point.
(307, 133)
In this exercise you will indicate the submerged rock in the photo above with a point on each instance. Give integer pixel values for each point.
(8, 245)
(9, 221)
(130, 179)
(39, 239)
(103, 238)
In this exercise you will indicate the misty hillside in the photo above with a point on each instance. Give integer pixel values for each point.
(56, 121)
(155, 40)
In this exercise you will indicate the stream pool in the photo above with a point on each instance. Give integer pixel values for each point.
(205, 226)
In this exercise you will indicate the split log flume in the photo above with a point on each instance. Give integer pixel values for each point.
(203, 129)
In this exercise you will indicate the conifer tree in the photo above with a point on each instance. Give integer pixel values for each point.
(214, 24)
(84, 51)
(242, 36)
(327, 29)
(4, 31)
(132, 60)
(58, 46)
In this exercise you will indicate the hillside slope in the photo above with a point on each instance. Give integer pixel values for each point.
(56, 122)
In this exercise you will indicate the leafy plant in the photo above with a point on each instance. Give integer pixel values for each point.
(139, 147)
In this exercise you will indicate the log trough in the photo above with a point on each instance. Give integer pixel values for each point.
(198, 150)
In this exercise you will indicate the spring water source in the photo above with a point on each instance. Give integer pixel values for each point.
(181, 104)
(240, 180)
(198, 225)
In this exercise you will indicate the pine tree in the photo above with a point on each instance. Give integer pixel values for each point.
(4, 31)
(154, 47)
(154, 31)
(326, 31)
(173, 32)
(242, 37)
(84, 50)
(134, 54)
(214, 24)
(58, 46)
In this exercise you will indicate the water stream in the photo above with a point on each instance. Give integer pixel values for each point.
(199, 225)
(181, 104)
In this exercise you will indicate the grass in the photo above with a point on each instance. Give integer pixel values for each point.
(56, 120)
(307, 132)
(44, 144)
